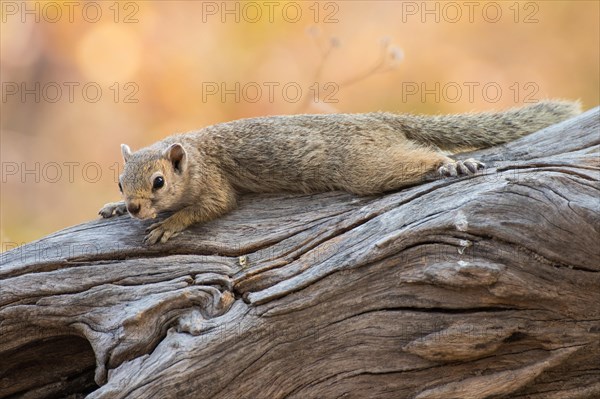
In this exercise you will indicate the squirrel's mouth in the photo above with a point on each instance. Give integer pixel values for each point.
(146, 214)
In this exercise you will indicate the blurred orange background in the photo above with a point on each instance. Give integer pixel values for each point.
(80, 78)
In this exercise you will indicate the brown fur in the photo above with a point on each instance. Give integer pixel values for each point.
(205, 170)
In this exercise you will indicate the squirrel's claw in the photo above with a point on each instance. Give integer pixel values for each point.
(473, 165)
(113, 209)
(159, 231)
(460, 168)
(448, 169)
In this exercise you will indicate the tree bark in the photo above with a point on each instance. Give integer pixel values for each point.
(472, 287)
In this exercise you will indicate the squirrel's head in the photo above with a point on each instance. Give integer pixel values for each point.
(153, 180)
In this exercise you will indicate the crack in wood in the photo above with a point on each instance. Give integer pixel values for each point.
(446, 283)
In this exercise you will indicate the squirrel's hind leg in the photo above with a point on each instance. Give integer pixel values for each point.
(404, 165)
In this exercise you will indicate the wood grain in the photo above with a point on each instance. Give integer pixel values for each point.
(473, 287)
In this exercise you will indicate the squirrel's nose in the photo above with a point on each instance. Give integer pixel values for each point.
(133, 208)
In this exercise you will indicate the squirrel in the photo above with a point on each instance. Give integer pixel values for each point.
(198, 175)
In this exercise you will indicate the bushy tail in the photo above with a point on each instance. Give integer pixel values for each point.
(486, 129)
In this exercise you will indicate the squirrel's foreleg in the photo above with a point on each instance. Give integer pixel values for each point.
(205, 210)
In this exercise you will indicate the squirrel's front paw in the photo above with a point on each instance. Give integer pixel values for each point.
(458, 168)
(112, 209)
(161, 231)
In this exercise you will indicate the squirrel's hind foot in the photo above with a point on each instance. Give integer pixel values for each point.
(459, 168)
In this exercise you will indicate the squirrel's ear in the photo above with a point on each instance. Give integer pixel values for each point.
(126, 151)
(177, 155)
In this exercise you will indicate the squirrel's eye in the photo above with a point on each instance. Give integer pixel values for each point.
(120, 187)
(158, 182)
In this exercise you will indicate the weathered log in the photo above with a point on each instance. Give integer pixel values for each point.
(472, 287)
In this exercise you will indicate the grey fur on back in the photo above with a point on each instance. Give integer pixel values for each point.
(335, 151)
